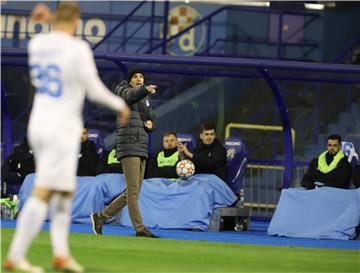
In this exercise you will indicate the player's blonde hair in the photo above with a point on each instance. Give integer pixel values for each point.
(67, 12)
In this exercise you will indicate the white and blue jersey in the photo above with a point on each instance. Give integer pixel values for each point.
(63, 72)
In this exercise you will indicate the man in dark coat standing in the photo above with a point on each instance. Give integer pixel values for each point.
(209, 156)
(330, 169)
(132, 151)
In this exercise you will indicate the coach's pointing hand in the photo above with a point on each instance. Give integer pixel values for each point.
(151, 88)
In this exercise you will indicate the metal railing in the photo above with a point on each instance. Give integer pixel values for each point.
(118, 25)
(262, 185)
(256, 127)
(211, 42)
(208, 19)
(346, 55)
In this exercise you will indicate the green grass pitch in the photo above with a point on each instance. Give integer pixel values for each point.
(132, 254)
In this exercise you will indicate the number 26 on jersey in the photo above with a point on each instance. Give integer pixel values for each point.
(47, 79)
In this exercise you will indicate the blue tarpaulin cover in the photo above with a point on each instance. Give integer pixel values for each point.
(319, 213)
(185, 204)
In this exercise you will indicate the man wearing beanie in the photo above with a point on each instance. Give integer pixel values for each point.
(132, 151)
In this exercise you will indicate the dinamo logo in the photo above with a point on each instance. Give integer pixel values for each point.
(92, 29)
(180, 17)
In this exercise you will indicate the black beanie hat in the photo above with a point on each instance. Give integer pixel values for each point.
(133, 71)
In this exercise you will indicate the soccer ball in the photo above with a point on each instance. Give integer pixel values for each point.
(185, 168)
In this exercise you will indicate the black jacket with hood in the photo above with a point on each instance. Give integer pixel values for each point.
(132, 139)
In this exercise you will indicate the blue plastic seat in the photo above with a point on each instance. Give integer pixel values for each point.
(348, 148)
(187, 139)
(95, 136)
(236, 161)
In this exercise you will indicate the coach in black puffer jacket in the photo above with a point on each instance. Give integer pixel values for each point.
(132, 151)
(132, 139)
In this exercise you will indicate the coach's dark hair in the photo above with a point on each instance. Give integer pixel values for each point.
(332, 137)
(134, 71)
(207, 126)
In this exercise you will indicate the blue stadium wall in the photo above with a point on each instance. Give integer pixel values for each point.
(254, 31)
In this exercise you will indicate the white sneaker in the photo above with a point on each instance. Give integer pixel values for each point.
(67, 264)
(23, 266)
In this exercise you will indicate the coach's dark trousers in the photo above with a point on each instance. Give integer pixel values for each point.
(134, 170)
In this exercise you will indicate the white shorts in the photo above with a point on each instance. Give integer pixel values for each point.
(56, 157)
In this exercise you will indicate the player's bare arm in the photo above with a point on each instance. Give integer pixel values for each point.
(124, 115)
(42, 13)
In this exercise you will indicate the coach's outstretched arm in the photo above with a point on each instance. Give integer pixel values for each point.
(134, 94)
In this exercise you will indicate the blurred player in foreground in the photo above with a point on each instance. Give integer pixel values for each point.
(63, 71)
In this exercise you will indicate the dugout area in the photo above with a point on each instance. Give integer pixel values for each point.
(281, 90)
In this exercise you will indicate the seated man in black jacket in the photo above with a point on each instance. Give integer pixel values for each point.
(209, 156)
(17, 166)
(165, 163)
(88, 158)
(330, 169)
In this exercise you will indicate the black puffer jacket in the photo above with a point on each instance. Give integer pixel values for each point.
(132, 139)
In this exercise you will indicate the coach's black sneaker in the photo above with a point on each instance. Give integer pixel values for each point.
(97, 222)
(146, 233)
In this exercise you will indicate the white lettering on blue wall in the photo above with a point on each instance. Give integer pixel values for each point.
(93, 29)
